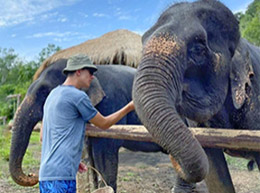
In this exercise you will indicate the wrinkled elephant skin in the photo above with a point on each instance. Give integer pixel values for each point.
(195, 66)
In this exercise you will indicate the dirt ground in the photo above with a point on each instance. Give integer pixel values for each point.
(151, 173)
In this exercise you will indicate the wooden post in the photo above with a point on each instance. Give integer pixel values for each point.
(17, 103)
(245, 140)
(3, 119)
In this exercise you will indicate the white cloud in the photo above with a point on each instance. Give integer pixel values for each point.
(13, 35)
(49, 15)
(80, 37)
(14, 12)
(100, 15)
(118, 11)
(124, 17)
(83, 14)
(63, 19)
(63, 37)
(53, 34)
(121, 15)
(80, 25)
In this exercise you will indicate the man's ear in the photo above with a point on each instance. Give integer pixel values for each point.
(77, 72)
(95, 92)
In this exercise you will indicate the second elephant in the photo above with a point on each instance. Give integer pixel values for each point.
(110, 90)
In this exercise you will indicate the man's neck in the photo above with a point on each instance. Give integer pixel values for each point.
(70, 81)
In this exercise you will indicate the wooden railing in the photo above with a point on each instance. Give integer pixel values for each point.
(245, 140)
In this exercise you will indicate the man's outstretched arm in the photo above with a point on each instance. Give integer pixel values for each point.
(104, 122)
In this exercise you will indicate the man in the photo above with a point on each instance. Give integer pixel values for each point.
(66, 111)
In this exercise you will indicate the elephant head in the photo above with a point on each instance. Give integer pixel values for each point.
(184, 73)
(31, 111)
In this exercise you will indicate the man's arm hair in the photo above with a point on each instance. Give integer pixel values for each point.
(104, 122)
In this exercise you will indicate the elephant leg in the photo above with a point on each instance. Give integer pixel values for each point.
(105, 159)
(218, 178)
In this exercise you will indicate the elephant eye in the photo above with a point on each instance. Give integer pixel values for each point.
(197, 53)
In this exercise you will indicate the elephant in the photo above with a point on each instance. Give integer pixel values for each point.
(110, 90)
(196, 67)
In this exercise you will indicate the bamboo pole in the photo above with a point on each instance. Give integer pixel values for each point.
(245, 140)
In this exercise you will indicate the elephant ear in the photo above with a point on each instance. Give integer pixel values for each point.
(95, 92)
(241, 71)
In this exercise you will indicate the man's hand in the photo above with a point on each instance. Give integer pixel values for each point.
(82, 168)
(105, 122)
(131, 106)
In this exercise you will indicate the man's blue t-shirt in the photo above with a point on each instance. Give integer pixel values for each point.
(66, 111)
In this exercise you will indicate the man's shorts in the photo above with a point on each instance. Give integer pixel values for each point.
(58, 186)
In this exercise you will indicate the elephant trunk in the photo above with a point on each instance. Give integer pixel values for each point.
(24, 122)
(155, 93)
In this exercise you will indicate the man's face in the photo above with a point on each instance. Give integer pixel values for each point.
(85, 78)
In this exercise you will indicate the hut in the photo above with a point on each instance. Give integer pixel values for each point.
(116, 47)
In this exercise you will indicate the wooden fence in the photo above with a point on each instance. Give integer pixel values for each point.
(3, 120)
(245, 140)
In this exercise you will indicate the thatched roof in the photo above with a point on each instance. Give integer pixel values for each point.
(116, 47)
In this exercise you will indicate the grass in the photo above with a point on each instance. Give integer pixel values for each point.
(236, 163)
(29, 158)
(129, 176)
(31, 161)
(5, 145)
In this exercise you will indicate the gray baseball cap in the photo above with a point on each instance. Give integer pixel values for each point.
(78, 62)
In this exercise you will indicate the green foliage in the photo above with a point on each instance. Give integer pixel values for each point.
(250, 23)
(47, 52)
(8, 107)
(252, 31)
(8, 60)
(16, 76)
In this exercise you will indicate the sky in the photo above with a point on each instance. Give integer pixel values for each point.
(28, 26)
